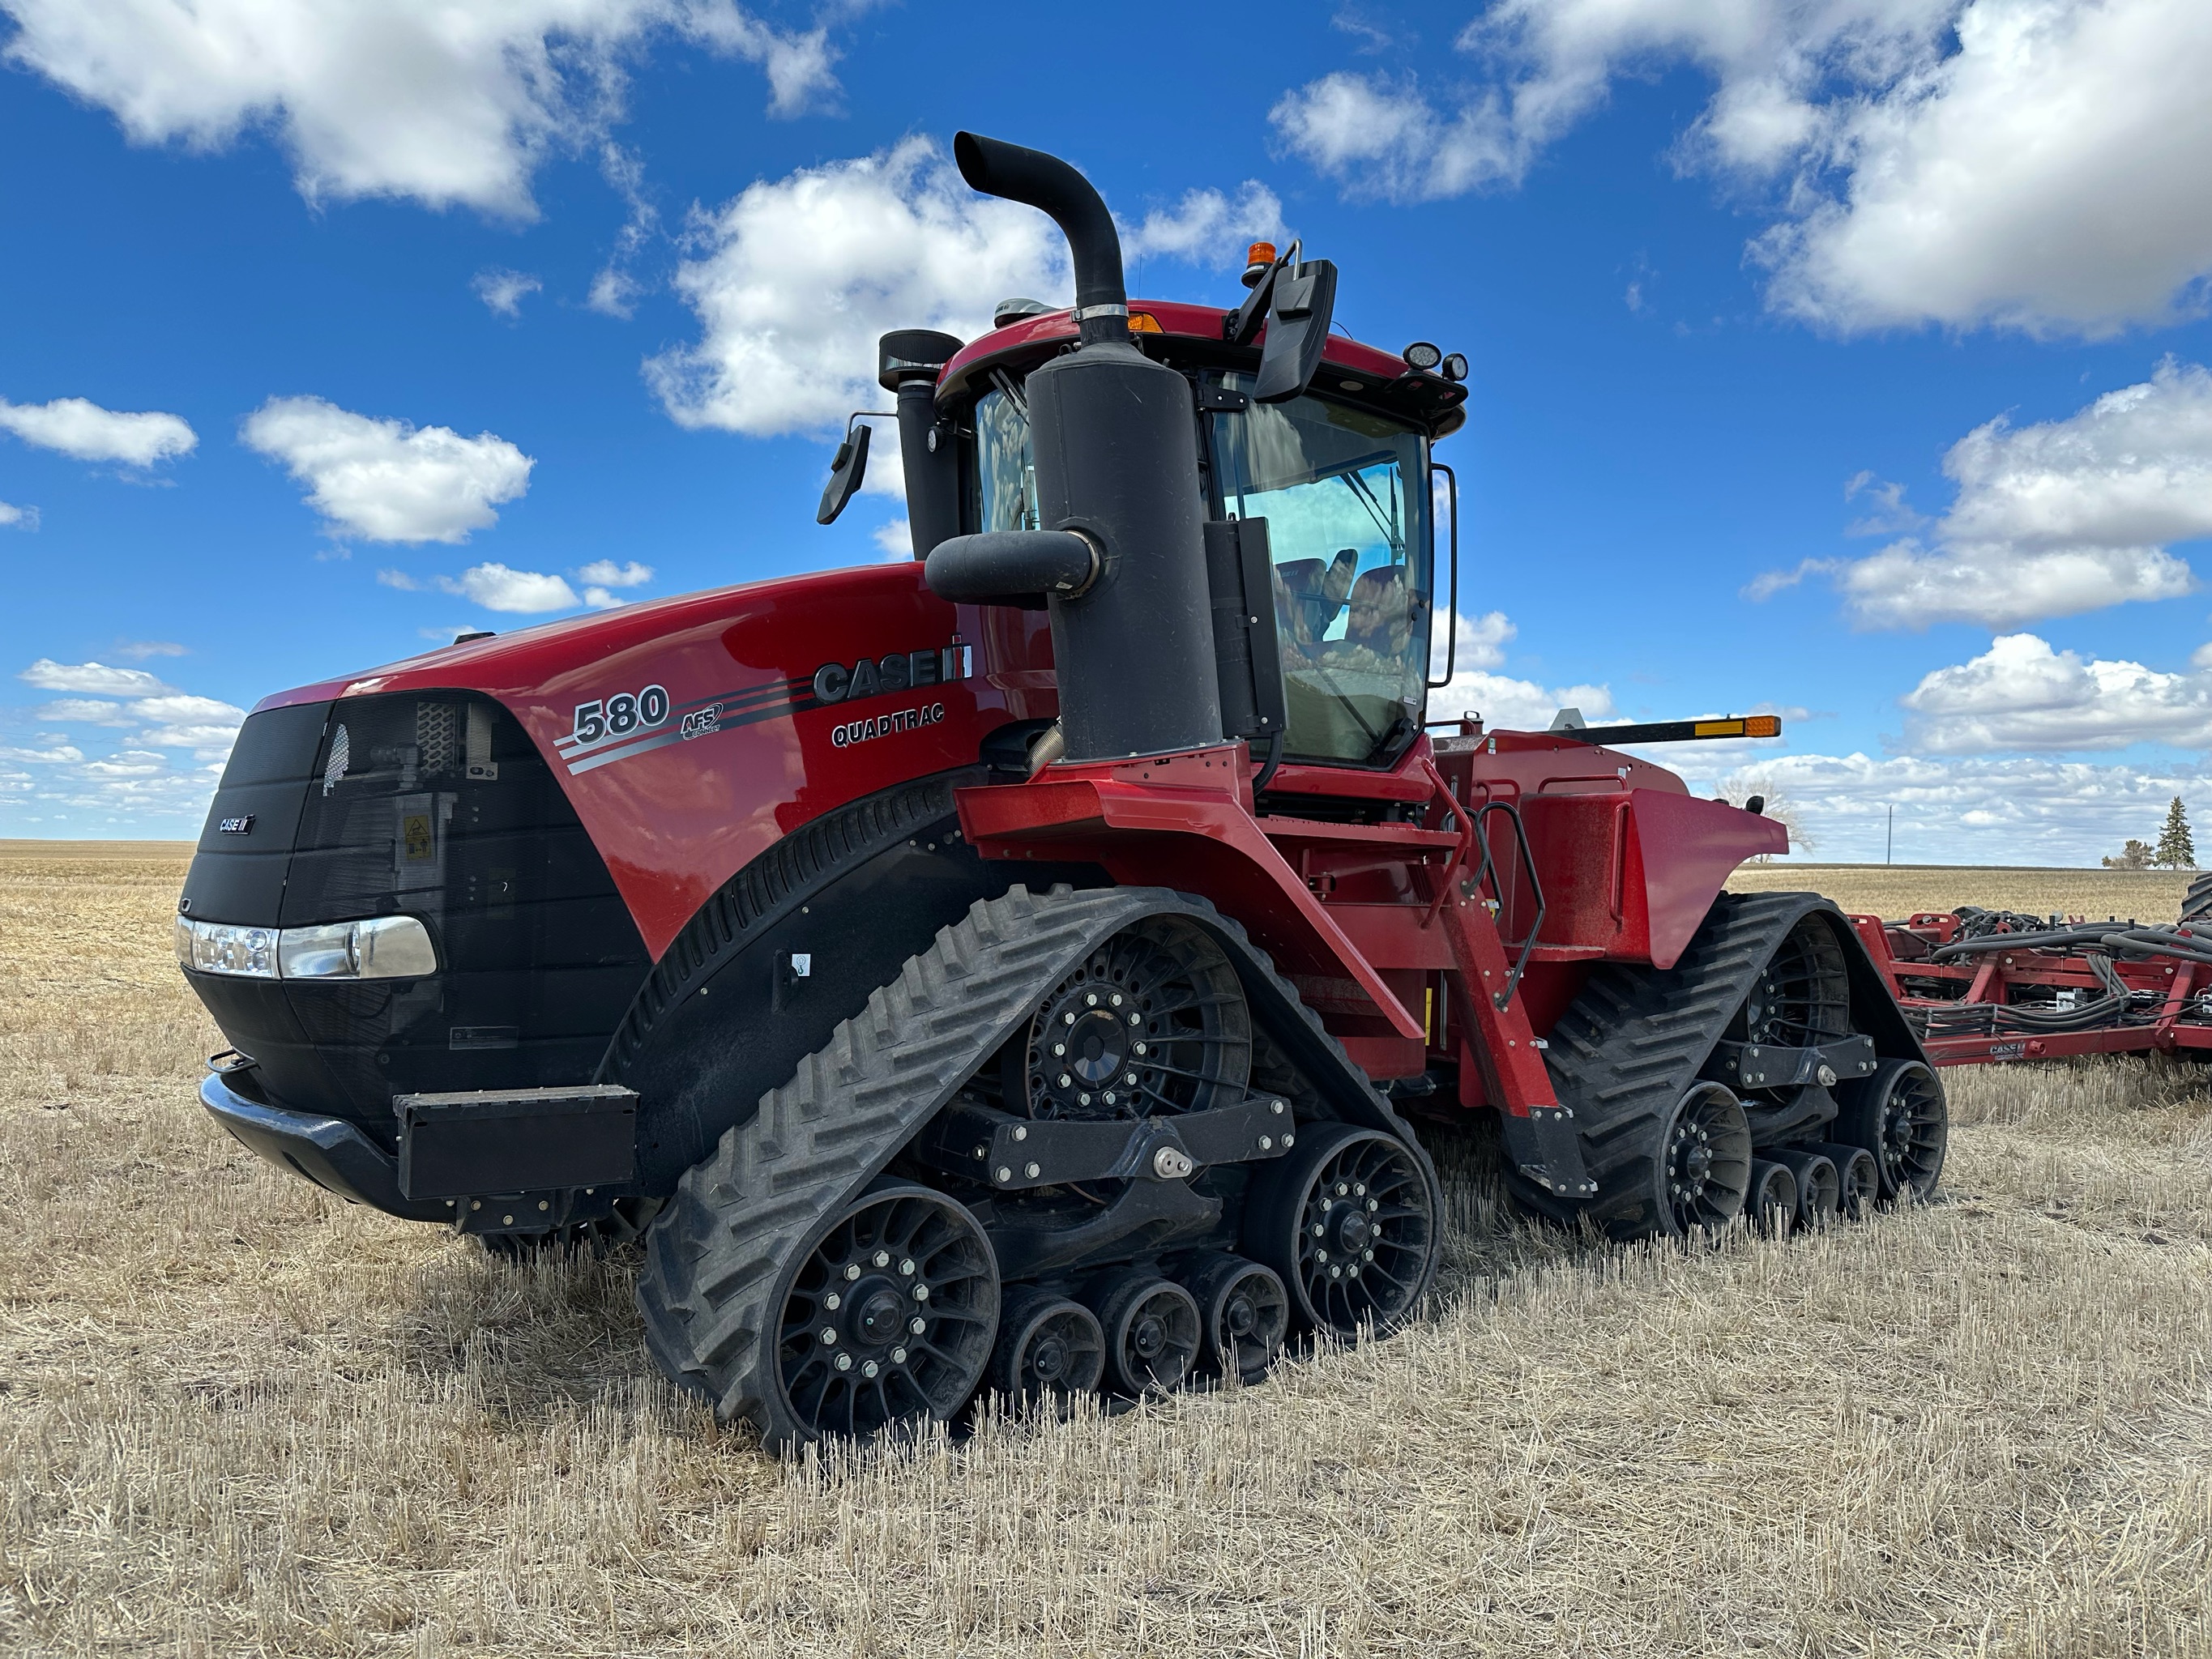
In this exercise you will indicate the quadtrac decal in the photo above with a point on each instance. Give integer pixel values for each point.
(621, 724)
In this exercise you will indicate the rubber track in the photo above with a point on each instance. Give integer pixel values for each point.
(1629, 1045)
(716, 1254)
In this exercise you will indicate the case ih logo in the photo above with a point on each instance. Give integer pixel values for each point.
(623, 723)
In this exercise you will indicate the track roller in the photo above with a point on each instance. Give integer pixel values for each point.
(1860, 1176)
(1244, 1312)
(1050, 1349)
(1152, 1330)
(1347, 1224)
(1771, 1204)
(1820, 1184)
(1900, 1116)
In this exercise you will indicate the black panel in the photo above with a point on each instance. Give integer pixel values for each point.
(238, 873)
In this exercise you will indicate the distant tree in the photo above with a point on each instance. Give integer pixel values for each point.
(2176, 851)
(1738, 790)
(2135, 855)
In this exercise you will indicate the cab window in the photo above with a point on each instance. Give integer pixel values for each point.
(1345, 496)
(1005, 465)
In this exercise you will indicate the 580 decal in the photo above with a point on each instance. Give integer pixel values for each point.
(621, 714)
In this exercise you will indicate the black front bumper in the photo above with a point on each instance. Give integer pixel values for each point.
(328, 1151)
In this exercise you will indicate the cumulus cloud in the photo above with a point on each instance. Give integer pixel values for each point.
(793, 281)
(445, 105)
(57, 755)
(84, 431)
(1952, 811)
(894, 537)
(606, 573)
(2022, 695)
(504, 290)
(388, 480)
(1206, 227)
(2050, 519)
(18, 518)
(526, 592)
(94, 678)
(2025, 163)
(84, 711)
(1501, 700)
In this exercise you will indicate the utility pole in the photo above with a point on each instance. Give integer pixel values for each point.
(1889, 840)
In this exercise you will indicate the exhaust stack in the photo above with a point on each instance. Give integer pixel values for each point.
(1116, 441)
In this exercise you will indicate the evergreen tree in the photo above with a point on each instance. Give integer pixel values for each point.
(2176, 851)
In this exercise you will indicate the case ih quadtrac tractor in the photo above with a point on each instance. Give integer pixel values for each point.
(1019, 968)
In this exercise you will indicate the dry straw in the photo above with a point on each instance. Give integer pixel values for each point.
(238, 1417)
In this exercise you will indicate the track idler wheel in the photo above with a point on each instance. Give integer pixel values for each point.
(888, 1321)
(1154, 1333)
(1703, 1173)
(1245, 1311)
(1819, 1185)
(1771, 1204)
(1899, 1115)
(1347, 1223)
(1050, 1349)
(1861, 1179)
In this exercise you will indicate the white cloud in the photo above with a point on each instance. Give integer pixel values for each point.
(1383, 137)
(895, 538)
(1480, 643)
(443, 103)
(61, 754)
(606, 573)
(2025, 163)
(504, 290)
(2050, 519)
(2021, 694)
(2028, 812)
(96, 678)
(1208, 228)
(600, 598)
(795, 280)
(18, 518)
(1502, 701)
(84, 431)
(84, 711)
(387, 480)
(496, 587)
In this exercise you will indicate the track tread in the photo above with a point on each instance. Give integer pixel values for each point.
(716, 1253)
(1632, 1042)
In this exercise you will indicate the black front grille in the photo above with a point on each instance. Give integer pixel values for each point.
(436, 805)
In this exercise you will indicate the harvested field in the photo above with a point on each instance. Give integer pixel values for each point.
(1896, 891)
(236, 1416)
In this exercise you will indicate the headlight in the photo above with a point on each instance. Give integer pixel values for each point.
(380, 947)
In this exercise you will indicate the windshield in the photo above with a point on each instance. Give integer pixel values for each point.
(1345, 497)
(1005, 466)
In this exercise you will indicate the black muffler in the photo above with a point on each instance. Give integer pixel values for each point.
(1116, 438)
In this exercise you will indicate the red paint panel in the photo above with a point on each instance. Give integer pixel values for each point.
(1690, 847)
(676, 819)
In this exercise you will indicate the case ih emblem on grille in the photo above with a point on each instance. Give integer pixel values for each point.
(239, 826)
(615, 727)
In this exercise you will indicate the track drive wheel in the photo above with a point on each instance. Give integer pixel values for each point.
(1050, 1349)
(1702, 1174)
(1899, 1115)
(1349, 1225)
(1245, 1313)
(885, 1321)
(1152, 1332)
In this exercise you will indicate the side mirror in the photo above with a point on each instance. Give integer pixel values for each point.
(849, 466)
(1298, 316)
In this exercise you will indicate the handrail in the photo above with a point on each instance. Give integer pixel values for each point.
(1486, 867)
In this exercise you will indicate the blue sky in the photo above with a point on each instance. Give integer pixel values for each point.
(1844, 360)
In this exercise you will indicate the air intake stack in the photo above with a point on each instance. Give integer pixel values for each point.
(1118, 496)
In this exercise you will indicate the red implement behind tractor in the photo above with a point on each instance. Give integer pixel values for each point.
(1019, 967)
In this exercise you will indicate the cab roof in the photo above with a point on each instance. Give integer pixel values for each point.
(1189, 336)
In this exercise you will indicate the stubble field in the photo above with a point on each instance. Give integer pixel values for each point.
(239, 1416)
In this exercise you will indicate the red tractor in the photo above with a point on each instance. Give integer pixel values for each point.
(1022, 968)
